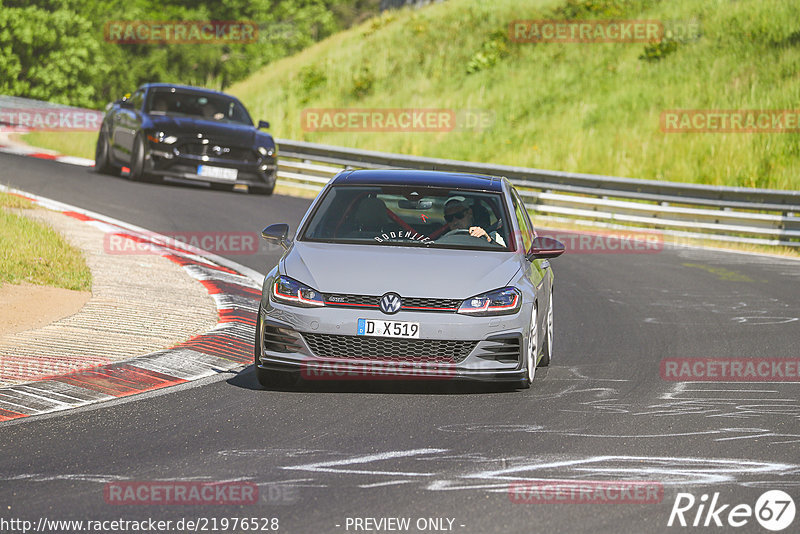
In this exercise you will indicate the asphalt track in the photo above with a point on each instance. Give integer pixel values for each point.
(328, 451)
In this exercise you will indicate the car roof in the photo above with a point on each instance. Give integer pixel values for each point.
(453, 180)
(184, 88)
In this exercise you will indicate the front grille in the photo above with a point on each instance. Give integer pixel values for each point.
(364, 301)
(388, 349)
(233, 154)
(438, 304)
(409, 303)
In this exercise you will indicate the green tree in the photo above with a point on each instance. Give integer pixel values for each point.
(48, 55)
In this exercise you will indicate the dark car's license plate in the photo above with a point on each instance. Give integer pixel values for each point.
(221, 173)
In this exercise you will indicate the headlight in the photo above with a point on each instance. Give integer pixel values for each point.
(161, 137)
(292, 292)
(498, 302)
(266, 151)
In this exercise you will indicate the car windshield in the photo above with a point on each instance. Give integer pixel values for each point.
(392, 215)
(202, 105)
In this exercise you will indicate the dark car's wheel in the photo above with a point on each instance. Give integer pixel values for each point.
(532, 352)
(548, 342)
(220, 187)
(102, 156)
(138, 173)
(267, 377)
(261, 189)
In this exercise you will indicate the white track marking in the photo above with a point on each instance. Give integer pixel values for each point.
(330, 466)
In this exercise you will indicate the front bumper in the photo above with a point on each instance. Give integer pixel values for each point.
(168, 162)
(451, 345)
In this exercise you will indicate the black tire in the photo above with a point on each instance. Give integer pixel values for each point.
(261, 189)
(137, 172)
(220, 187)
(102, 157)
(531, 350)
(267, 377)
(548, 335)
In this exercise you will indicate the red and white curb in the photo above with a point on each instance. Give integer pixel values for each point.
(33, 152)
(236, 289)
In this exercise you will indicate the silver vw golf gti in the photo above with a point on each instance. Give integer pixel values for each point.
(408, 274)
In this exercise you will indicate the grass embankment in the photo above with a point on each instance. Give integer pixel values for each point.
(579, 107)
(33, 252)
(80, 144)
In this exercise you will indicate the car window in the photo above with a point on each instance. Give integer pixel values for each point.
(200, 105)
(525, 227)
(137, 99)
(410, 216)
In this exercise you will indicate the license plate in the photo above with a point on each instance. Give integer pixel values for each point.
(368, 327)
(217, 172)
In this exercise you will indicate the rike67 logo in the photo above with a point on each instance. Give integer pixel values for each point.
(774, 510)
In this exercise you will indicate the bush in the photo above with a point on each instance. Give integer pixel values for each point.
(493, 49)
(363, 80)
(658, 51)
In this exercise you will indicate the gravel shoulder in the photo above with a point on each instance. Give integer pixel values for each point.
(139, 303)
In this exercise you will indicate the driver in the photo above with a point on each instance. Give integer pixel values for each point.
(458, 215)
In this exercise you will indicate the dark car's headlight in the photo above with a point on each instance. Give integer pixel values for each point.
(498, 302)
(292, 292)
(268, 152)
(161, 137)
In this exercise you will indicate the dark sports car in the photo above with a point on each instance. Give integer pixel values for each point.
(189, 133)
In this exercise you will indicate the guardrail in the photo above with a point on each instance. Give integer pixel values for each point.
(733, 214)
(736, 214)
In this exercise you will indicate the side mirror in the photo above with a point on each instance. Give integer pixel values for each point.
(546, 247)
(263, 124)
(125, 103)
(277, 232)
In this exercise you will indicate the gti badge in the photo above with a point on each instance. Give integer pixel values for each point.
(390, 303)
(220, 150)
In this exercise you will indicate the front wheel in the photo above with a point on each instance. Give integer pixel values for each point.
(102, 157)
(261, 189)
(532, 352)
(137, 173)
(548, 348)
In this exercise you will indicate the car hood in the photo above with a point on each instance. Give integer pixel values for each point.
(408, 271)
(235, 134)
